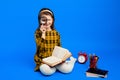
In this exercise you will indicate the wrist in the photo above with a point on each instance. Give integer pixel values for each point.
(43, 35)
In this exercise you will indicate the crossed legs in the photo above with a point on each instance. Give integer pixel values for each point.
(65, 67)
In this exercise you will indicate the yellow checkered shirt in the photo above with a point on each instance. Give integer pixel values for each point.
(45, 46)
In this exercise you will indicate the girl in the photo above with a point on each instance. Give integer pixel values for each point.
(46, 39)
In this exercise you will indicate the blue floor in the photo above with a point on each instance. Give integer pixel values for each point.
(22, 68)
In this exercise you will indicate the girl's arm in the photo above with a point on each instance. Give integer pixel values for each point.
(59, 42)
(38, 37)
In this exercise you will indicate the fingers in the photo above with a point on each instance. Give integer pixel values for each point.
(43, 28)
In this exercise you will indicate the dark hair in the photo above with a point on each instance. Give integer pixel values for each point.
(48, 12)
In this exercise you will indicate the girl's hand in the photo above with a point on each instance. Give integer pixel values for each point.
(43, 29)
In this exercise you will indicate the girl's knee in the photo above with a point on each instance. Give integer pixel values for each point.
(65, 68)
(47, 70)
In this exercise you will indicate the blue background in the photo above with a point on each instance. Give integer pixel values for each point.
(91, 26)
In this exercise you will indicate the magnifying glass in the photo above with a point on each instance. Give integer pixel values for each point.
(43, 20)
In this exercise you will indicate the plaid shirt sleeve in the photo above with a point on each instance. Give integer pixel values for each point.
(59, 42)
(38, 38)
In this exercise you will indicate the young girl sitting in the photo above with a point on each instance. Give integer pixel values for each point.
(46, 39)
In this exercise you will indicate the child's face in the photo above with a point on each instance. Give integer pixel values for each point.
(48, 22)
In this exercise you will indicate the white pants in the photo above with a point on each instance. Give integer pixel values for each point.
(65, 67)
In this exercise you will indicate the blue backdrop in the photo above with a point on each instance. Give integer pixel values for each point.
(92, 26)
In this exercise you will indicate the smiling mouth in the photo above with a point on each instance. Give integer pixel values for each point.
(47, 24)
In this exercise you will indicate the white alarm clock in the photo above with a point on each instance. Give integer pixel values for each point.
(82, 58)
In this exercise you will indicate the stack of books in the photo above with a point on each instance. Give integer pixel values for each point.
(95, 72)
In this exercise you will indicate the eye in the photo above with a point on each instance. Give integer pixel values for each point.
(43, 20)
(49, 20)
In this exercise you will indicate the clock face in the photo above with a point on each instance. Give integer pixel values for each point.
(81, 59)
